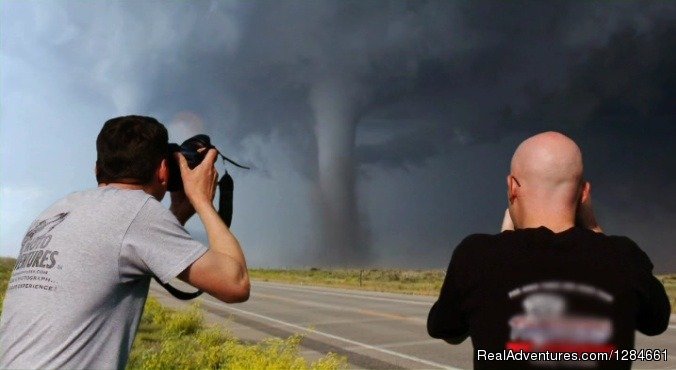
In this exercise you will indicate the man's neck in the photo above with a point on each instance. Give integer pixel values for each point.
(120, 185)
(555, 223)
(151, 189)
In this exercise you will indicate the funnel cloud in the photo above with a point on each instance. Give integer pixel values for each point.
(337, 102)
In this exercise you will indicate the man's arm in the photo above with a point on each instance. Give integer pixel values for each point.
(446, 320)
(222, 270)
(652, 317)
(440, 324)
(654, 308)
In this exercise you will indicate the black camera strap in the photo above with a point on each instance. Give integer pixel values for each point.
(184, 296)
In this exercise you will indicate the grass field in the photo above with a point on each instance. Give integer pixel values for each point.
(178, 340)
(170, 339)
(421, 282)
(669, 282)
(6, 266)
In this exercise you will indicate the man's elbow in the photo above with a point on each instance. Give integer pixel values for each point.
(456, 340)
(451, 338)
(654, 318)
(655, 327)
(439, 329)
(243, 292)
(237, 292)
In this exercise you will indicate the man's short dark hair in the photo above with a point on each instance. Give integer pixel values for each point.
(129, 149)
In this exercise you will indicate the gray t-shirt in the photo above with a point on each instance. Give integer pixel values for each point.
(80, 282)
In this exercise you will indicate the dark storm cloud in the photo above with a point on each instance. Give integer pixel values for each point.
(429, 81)
(619, 102)
(449, 67)
(401, 150)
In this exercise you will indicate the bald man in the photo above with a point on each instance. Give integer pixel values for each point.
(551, 285)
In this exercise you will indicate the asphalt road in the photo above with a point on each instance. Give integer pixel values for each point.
(374, 330)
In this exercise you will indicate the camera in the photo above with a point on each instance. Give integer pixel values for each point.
(191, 151)
(194, 150)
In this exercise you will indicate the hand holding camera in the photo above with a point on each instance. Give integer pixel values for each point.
(192, 182)
(194, 161)
(585, 216)
(199, 183)
(507, 223)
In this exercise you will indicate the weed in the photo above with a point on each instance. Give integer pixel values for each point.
(178, 340)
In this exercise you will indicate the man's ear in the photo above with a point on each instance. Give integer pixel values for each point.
(511, 189)
(586, 192)
(163, 172)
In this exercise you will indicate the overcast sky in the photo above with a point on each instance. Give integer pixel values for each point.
(432, 98)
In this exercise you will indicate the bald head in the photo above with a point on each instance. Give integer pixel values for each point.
(546, 177)
(548, 161)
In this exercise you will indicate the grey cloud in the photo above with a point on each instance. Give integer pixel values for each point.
(435, 78)
(618, 102)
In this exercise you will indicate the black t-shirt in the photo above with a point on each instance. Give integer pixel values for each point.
(534, 290)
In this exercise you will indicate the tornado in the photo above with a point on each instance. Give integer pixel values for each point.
(336, 103)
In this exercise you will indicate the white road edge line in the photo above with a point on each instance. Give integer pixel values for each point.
(349, 295)
(403, 344)
(350, 341)
(316, 289)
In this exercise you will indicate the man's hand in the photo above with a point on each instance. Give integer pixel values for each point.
(181, 207)
(585, 216)
(507, 223)
(200, 182)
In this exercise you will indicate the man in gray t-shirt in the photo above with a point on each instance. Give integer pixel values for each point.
(81, 279)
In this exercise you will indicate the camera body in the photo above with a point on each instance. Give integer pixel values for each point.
(191, 151)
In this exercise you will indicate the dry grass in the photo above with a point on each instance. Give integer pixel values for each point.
(669, 282)
(170, 339)
(421, 282)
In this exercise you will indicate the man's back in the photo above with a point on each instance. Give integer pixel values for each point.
(532, 289)
(79, 285)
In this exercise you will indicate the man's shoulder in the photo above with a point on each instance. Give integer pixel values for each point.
(476, 245)
(629, 252)
(104, 193)
(620, 240)
(106, 202)
(618, 245)
(483, 240)
(479, 239)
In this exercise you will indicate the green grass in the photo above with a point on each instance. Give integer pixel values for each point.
(178, 340)
(169, 339)
(669, 282)
(421, 282)
(6, 267)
